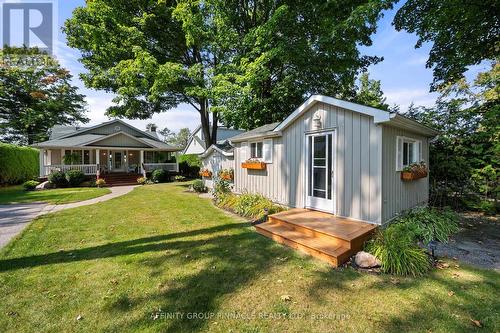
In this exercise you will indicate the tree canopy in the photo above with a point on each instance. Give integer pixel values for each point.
(179, 139)
(243, 62)
(369, 93)
(462, 33)
(35, 94)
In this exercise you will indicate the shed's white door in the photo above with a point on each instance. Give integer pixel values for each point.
(320, 171)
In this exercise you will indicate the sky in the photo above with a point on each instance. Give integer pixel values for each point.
(403, 75)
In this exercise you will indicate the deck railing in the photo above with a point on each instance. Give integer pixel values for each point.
(87, 169)
(148, 167)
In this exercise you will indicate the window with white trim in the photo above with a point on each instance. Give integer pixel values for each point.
(408, 151)
(256, 149)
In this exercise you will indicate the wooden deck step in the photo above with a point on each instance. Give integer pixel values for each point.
(325, 236)
(321, 249)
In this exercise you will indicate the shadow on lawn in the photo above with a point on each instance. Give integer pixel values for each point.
(225, 259)
(140, 245)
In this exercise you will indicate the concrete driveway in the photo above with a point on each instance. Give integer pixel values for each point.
(14, 218)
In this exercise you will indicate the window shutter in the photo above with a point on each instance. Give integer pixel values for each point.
(267, 151)
(244, 151)
(399, 153)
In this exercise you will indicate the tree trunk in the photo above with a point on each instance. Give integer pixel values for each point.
(215, 120)
(205, 123)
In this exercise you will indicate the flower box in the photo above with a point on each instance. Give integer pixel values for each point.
(254, 165)
(408, 176)
(206, 173)
(226, 174)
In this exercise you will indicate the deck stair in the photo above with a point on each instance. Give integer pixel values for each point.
(325, 236)
(120, 179)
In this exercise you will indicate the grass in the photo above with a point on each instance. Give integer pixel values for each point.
(173, 258)
(16, 194)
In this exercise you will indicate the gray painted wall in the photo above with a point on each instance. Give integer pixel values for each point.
(398, 195)
(358, 174)
(120, 140)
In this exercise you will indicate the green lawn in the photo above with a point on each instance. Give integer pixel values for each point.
(160, 252)
(16, 194)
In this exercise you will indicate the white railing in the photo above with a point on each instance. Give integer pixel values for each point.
(87, 169)
(173, 167)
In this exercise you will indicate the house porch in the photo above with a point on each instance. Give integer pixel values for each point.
(107, 160)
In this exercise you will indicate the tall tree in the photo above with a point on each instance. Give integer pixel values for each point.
(254, 61)
(369, 93)
(35, 94)
(179, 139)
(462, 33)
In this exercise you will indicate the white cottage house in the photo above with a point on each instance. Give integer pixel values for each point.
(115, 150)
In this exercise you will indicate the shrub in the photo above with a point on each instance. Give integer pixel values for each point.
(199, 186)
(141, 180)
(75, 177)
(159, 176)
(189, 165)
(179, 178)
(221, 187)
(255, 206)
(30, 185)
(396, 249)
(58, 178)
(428, 224)
(100, 182)
(17, 164)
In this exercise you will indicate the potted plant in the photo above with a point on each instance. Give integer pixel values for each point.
(205, 173)
(226, 174)
(414, 171)
(253, 164)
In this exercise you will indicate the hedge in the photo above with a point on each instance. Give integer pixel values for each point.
(17, 164)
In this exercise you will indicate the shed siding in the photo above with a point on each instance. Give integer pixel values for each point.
(358, 154)
(398, 195)
(215, 162)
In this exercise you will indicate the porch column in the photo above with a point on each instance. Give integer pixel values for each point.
(41, 160)
(141, 161)
(176, 161)
(97, 162)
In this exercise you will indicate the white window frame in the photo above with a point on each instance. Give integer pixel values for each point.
(417, 151)
(256, 149)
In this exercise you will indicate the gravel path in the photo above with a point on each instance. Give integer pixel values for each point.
(14, 218)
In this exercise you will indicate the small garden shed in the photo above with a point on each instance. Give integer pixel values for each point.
(216, 158)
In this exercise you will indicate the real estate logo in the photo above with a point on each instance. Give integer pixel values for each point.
(29, 23)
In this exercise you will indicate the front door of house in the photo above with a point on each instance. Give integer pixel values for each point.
(117, 164)
(320, 171)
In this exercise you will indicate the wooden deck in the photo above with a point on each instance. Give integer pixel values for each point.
(325, 236)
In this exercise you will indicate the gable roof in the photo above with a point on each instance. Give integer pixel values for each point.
(225, 149)
(71, 136)
(265, 130)
(223, 134)
(379, 117)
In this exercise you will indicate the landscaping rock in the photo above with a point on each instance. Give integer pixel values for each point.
(44, 186)
(366, 260)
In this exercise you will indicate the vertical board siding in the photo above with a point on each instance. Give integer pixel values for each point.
(398, 195)
(358, 179)
(215, 162)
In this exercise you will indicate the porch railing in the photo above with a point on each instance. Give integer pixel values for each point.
(87, 169)
(173, 167)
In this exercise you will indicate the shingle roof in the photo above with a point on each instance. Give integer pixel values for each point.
(160, 144)
(259, 131)
(71, 141)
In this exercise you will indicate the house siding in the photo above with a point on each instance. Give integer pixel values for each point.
(358, 161)
(398, 195)
(120, 140)
(215, 162)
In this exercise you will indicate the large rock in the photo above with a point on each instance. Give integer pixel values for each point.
(44, 186)
(366, 260)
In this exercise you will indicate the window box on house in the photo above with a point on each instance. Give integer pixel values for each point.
(206, 173)
(253, 165)
(414, 171)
